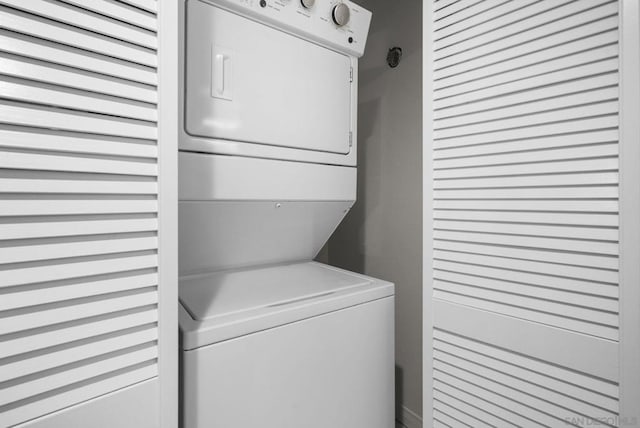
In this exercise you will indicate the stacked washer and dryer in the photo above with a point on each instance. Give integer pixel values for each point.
(271, 339)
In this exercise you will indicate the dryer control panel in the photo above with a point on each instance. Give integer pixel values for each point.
(338, 24)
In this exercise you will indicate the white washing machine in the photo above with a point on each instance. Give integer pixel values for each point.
(291, 346)
(267, 158)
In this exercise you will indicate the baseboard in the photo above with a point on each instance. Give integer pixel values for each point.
(409, 419)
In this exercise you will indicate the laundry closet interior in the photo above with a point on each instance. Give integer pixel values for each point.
(319, 213)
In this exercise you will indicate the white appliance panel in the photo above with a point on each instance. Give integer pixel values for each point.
(221, 294)
(248, 82)
(237, 178)
(335, 370)
(313, 20)
(219, 306)
(217, 235)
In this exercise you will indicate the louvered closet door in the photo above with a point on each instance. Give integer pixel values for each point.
(524, 148)
(78, 203)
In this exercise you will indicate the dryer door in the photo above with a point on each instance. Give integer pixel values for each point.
(248, 82)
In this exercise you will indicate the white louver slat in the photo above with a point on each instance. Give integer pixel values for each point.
(524, 194)
(78, 202)
(499, 384)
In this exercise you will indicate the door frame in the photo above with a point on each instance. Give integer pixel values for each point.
(168, 16)
(427, 213)
(629, 200)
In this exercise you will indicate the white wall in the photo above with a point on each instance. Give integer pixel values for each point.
(382, 235)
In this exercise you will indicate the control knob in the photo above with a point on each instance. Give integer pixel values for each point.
(341, 14)
(308, 4)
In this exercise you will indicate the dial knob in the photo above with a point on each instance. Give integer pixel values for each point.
(341, 14)
(308, 3)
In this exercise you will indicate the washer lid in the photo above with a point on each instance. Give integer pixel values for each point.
(228, 304)
(233, 292)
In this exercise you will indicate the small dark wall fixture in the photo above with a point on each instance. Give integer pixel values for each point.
(394, 56)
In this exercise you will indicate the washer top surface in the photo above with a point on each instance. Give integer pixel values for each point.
(227, 304)
(227, 293)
